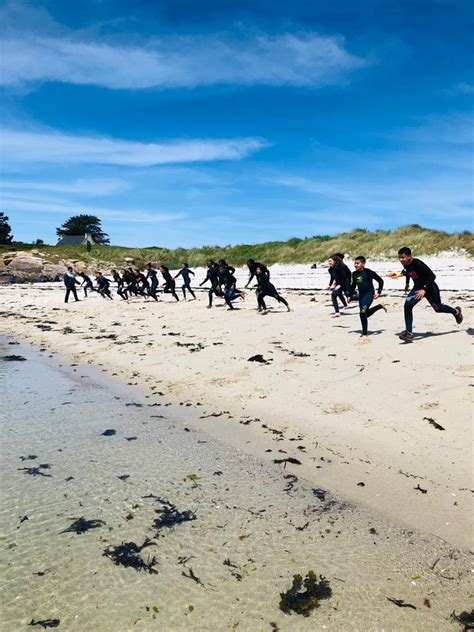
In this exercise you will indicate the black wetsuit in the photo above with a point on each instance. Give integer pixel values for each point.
(170, 285)
(265, 288)
(87, 284)
(130, 281)
(151, 274)
(423, 279)
(338, 276)
(364, 281)
(253, 271)
(212, 275)
(70, 282)
(121, 291)
(103, 286)
(185, 272)
(228, 280)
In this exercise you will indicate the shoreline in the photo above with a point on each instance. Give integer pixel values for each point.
(273, 411)
(266, 532)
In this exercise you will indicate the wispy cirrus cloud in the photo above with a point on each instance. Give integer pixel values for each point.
(89, 187)
(66, 149)
(43, 51)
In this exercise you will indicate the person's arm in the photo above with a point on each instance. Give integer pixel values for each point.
(353, 286)
(379, 280)
(427, 273)
(231, 269)
(191, 272)
(206, 279)
(252, 274)
(179, 274)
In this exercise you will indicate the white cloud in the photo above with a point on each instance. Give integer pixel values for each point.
(84, 186)
(298, 59)
(56, 148)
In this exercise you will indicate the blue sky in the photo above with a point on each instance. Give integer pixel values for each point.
(184, 123)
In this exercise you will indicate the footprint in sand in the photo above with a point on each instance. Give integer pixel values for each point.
(338, 409)
(429, 406)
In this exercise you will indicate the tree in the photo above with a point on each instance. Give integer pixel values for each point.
(82, 224)
(5, 230)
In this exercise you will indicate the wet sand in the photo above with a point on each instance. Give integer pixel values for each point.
(255, 525)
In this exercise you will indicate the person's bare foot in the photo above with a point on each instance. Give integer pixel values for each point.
(264, 312)
(364, 337)
(384, 307)
(458, 316)
(336, 315)
(288, 308)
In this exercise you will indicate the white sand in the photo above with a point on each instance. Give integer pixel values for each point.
(351, 412)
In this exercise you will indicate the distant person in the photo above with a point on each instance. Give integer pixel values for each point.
(265, 288)
(185, 272)
(70, 283)
(88, 245)
(152, 278)
(170, 284)
(338, 280)
(86, 283)
(424, 286)
(212, 276)
(363, 279)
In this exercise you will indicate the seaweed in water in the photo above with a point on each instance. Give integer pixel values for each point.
(171, 516)
(303, 601)
(464, 618)
(36, 471)
(109, 432)
(126, 554)
(46, 623)
(81, 525)
(13, 358)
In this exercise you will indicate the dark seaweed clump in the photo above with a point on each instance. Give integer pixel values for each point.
(464, 618)
(46, 623)
(127, 554)
(81, 525)
(13, 358)
(303, 601)
(36, 471)
(171, 516)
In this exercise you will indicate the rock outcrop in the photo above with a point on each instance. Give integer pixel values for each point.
(29, 267)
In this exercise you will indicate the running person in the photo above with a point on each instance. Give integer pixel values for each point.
(424, 286)
(265, 288)
(338, 281)
(86, 283)
(252, 265)
(103, 286)
(363, 279)
(185, 272)
(229, 282)
(152, 279)
(170, 285)
(212, 275)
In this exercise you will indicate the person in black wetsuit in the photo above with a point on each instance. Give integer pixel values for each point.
(185, 272)
(130, 283)
(70, 283)
(212, 275)
(424, 286)
(152, 278)
(338, 280)
(362, 279)
(348, 274)
(170, 285)
(142, 285)
(265, 288)
(86, 283)
(252, 266)
(120, 281)
(103, 286)
(228, 280)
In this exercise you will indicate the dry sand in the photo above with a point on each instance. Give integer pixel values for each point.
(355, 415)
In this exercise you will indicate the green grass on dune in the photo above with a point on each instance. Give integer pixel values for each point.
(380, 243)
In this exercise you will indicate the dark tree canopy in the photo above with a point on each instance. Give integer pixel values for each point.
(81, 224)
(5, 230)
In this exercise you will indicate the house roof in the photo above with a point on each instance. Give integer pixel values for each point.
(71, 240)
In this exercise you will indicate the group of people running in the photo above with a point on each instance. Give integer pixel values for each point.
(345, 286)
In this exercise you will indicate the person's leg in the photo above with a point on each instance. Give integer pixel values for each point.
(365, 301)
(334, 301)
(183, 287)
(190, 291)
(68, 291)
(342, 297)
(228, 294)
(434, 299)
(211, 292)
(173, 291)
(74, 293)
(261, 299)
(410, 303)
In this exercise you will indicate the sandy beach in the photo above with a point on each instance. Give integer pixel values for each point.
(356, 416)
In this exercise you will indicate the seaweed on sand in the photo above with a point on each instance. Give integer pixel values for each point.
(303, 601)
(171, 516)
(81, 525)
(36, 471)
(46, 623)
(127, 554)
(465, 618)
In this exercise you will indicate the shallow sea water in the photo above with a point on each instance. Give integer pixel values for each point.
(267, 525)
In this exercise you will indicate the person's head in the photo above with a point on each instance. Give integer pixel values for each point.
(163, 268)
(359, 263)
(210, 263)
(98, 274)
(148, 265)
(258, 270)
(113, 272)
(339, 254)
(221, 267)
(404, 254)
(69, 269)
(185, 265)
(222, 262)
(250, 263)
(335, 261)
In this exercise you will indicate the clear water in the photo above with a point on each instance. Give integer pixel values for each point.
(247, 514)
